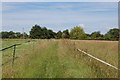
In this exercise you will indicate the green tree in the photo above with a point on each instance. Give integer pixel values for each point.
(18, 34)
(36, 32)
(24, 35)
(4, 35)
(112, 34)
(11, 34)
(65, 34)
(96, 35)
(77, 33)
(59, 34)
(51, 34)
(88, 36)
(44, 34)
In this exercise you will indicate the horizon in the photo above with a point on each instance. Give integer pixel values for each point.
(57, 31)
(92, 16)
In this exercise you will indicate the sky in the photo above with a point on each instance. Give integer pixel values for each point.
(59, 0)
(92, 16)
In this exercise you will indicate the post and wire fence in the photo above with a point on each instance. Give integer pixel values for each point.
(14, 51)
(95, 58)
(15, 45)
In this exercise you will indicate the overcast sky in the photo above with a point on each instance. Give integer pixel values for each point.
(92, 16)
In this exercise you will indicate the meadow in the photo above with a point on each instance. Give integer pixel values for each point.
(60, 59)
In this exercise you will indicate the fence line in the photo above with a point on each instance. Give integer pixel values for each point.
(13, 46)
(99, 59)
(9, 47)
(14, 50)
(6, 48)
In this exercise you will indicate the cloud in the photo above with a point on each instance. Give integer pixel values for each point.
(47, 17)
(95, 6)
(81, 25)
(104, 28)
(93, 15)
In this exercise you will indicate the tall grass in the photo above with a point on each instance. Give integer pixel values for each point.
(58, 59)
(105, 50)
(102, 50)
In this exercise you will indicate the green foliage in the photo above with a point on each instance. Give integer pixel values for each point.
(24, 35)
(65, 34)
(18, 34)
(50, 34)
(88, 36)
(41, 33)
(4, 35)
(59, 34)
(112, 34)
(77, 33)
(13, 35)
(38, 32)
(96, 35)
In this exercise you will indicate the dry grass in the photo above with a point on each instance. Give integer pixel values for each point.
(107, 51)
(60, 59)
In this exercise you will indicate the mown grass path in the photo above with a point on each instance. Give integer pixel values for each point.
(53, 62)
(55, 59)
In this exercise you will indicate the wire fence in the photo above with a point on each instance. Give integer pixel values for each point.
(85, 52)
(14, 52)
(98, 59)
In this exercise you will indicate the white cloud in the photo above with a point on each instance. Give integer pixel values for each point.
(81, 25)
(90, 7)
(47, 17)
(104, 29)
(50, 16)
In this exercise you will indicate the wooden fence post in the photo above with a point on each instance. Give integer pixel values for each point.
(74, 47)
(14, 54)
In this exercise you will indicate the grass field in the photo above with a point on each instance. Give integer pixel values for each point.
(60, 59)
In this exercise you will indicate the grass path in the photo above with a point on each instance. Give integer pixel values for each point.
(52, 64)
(56, 59)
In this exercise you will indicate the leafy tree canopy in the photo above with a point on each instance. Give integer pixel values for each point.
(112, 34)
(77, 33)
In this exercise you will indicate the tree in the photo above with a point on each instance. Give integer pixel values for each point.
(36, 32)
(88, 36)
(11, 34)
(24, 35)
(41, 33)
(59, 34)
(112, 34)
(18, 34)
(96, 35)
(44, 34)
(77, 33)
(51, 34)
(4, 35)
(65, 34)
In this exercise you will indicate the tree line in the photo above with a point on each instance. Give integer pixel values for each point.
(78, 33)
(13, 35)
